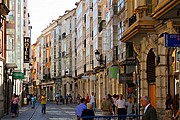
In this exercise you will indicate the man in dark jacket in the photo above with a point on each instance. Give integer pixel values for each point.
(149, 110)
(88, 112)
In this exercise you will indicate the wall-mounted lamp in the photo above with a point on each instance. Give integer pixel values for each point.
(99, 57)
(162, 34)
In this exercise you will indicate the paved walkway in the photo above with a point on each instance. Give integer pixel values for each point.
(53, 112)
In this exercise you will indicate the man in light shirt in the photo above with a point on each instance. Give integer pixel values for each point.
(121, 107)
(92, 101)
(149, 110)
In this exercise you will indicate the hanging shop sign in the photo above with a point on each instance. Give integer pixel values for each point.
(172, 40)
(84, 77)
(93, 77)
(113, 71)
(126, 78)
(26, 49)
(18, 75)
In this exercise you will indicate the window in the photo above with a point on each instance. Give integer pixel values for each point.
(130, 52)
(120, 30)
(120, 4)
(79, 11)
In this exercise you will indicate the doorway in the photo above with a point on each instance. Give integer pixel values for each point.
(151, 77)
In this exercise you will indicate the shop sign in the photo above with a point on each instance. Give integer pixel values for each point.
(113, 71)
(126, 78)
(84, 77)
(18, 75)
(26, 49)
(92, 77)
(172, 40)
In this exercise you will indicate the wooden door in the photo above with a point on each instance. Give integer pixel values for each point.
(152, 94)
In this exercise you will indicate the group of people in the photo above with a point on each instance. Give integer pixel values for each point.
(68, 98)
(86, 107)
(115, 105)
(173, 105)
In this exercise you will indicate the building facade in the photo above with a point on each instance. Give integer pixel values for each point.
(113, 47)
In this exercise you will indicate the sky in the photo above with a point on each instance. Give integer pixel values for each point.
(42, 12)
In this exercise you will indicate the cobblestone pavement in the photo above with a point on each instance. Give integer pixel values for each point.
(53, 112)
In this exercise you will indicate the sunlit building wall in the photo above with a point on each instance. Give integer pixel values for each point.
(4, 93)
(66, 53)
(17, 28)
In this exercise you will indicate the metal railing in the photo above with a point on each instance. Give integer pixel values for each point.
(113, 117)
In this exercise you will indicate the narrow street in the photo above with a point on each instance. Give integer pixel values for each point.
(53, 112)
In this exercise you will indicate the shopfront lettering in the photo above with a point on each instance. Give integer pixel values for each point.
(26, 49)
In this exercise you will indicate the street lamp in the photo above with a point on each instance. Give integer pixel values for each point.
(99, 58)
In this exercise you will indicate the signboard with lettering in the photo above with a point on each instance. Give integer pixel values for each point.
(126, 78)
(18, 75)
(113, 71)
(172, 40)
(27, 45)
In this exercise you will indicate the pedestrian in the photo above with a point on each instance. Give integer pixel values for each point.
(106, 107)
(57, 97)
(92, 101)
(121, 107)
(88, 112)
(33, 101)
(67, 97)
(43, 103)
(70, 98)
(78, 99)
(114, 104)
(130, 108)
(28, 99)
(149, 111)
(87, 98)
(14, 105)
(177, 115)
(80, 108)
(169, 104)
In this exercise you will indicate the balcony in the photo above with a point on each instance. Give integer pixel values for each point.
(167, 9)
(132, 20)
(4, 8)
(139, 24)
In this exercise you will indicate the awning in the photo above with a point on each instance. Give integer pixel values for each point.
(10, 65)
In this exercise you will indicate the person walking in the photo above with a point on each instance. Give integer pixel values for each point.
(80, 108)
(114, 104)
(130, 108)
(92, 101)
(177, 115)
(78, 99)
(88, 112)
(33, 101)
(149, 110)
(87, 98)
(67, 98)
(57, 97)
(14, 102)
(43, 103)
(121, 107)
(106, 107)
